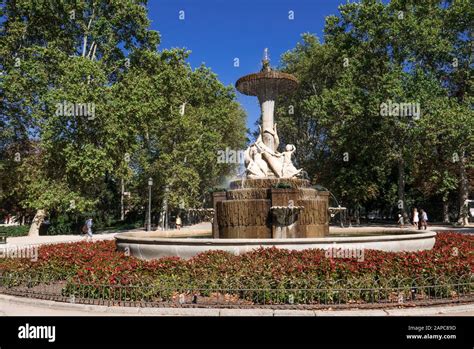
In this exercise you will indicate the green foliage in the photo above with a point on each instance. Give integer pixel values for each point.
(263, 276)
(375, 53)
(14, 230)
(105, 57)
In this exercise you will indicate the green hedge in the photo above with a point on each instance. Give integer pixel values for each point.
(67, 228)
(15, 230)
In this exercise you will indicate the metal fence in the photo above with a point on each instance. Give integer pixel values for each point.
(392, 292)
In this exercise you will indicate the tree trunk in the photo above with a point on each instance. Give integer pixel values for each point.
(122, 189)
(357, 214)
(37, 221)
(463, 191)
(401, 187)
(146, 219)
(445, 210)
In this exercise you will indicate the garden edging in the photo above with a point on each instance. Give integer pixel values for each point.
(85, 310)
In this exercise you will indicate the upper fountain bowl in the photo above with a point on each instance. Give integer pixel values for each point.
(266, 80)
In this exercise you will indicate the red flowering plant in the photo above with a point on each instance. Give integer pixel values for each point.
(271, 275)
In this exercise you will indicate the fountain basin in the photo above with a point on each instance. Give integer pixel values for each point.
(244, 211)
(146, 245)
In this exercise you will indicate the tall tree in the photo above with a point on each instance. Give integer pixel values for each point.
(375, 53)
(84, 83)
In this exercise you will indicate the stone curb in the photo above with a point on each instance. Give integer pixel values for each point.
(100, 310)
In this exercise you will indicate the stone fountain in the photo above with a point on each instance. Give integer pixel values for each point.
(272, 206)
(256, 206)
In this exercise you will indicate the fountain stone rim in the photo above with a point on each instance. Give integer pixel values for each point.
(411, 234)
(251, 84)
(153, 248)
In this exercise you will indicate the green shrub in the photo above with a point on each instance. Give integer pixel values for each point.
(15, 230)
(120, 225)
(216, 189)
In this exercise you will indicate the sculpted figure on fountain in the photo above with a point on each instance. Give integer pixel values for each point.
(261, 161)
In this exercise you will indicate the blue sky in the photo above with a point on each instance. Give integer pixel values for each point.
(217, 31)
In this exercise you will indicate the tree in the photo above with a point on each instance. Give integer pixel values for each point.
(101, 105)
(375, 54)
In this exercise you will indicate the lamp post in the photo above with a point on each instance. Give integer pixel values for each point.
(150, 183)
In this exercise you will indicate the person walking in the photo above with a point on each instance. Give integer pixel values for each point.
(423, 220)
(178, 222)
(416, 218)
(89, 228)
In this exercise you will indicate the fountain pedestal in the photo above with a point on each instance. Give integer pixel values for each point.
(246, 212)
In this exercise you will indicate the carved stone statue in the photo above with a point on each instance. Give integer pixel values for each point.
(289, 170)
(261, 161)
(256, 166)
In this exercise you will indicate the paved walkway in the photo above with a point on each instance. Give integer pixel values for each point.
(52, 239)
(19, 306)
(194, 230)
(393, 227)
(202, 229)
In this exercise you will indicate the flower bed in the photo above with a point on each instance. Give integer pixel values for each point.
(97, 270)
